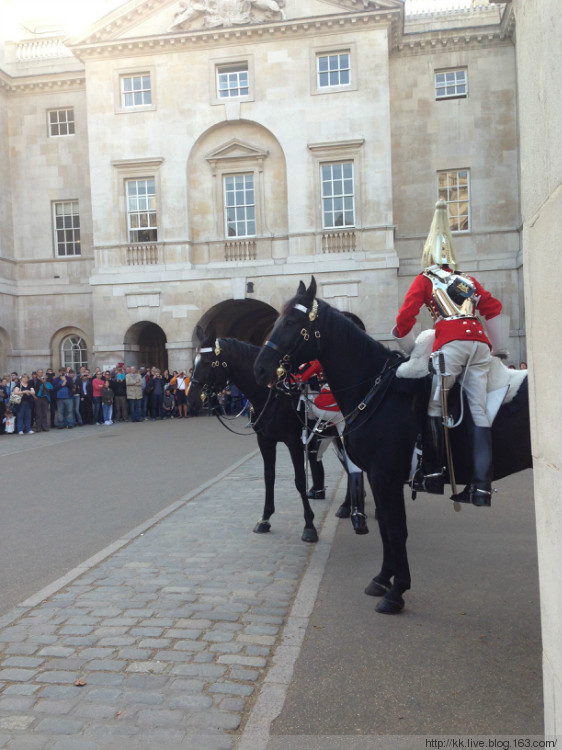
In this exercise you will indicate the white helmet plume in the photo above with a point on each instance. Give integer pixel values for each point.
(438, 249)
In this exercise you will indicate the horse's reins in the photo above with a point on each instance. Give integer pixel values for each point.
(381, 379)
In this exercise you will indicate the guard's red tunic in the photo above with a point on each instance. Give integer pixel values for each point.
(457, 329)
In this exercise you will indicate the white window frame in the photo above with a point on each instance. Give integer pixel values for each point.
(74, 352)
(337, 193)
(118, 83)
(335, 67)
(456, 193)
(246, 210)
(66, 228)
(146, 206)
(61, 123)
(338, 152)
(319, 52)
(449, 82)
(222, 64)
(228, 75)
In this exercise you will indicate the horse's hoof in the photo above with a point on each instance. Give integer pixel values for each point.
(376, 589)
(359, 522)
(262, 527)
(388, 606)
(343, 512)
(309, 535)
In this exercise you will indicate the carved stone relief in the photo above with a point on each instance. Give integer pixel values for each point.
(212, 14)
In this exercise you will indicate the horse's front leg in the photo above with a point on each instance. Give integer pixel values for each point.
(268, 449)
(389, 500)
(309, 533)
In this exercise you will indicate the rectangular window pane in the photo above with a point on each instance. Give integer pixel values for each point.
(338, 197)
(136, 91)
(333, 69)
(239, 205)
(233, 80)
(142, 217)
(66, 220)
(451, 84)
(61, 122)
(453, 188)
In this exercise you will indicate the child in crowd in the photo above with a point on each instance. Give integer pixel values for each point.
(168, 404)
(107, 397)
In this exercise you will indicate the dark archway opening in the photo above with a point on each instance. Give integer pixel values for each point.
(244, 319)
(145, 344)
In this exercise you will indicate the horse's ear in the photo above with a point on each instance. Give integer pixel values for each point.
(199, 334)
(302, 288)
(311, 291)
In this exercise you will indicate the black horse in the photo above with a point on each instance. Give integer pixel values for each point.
(275, 420)
(384, 415)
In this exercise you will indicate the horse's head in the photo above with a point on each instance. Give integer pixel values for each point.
(210, 373)
(291, 341)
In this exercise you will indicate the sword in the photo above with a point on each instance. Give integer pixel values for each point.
(448, 453)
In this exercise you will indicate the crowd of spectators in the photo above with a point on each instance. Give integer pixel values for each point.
(46, 400)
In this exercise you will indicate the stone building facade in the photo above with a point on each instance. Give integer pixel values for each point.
(188, 162)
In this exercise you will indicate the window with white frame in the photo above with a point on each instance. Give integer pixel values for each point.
(74, 352)
(338, 195)
(239, 205)
(61, 122)
(136, 91)
(454, 189)
(451, 84)
(141, 210)
(333, 69)
(66, 226)
(233, 80)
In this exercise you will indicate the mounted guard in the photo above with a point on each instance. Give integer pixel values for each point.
(462, 350)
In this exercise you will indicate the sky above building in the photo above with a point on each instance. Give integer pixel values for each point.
(39, 16)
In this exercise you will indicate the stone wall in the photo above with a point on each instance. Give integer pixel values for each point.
(539, 67)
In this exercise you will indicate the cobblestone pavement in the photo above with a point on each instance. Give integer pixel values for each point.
(165, 642)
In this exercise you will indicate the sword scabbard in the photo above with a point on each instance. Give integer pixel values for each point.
(445, 409)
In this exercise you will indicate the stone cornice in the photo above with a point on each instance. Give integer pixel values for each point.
(45, 83)
(427, 42)
(221, 37)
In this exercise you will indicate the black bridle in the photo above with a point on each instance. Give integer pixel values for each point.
(376, 393)
(208, 392)
(285, 362)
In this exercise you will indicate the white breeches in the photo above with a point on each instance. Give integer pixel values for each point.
(457, 355)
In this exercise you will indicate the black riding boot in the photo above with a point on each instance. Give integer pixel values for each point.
(479, 491)
(318, 491)
(357, 491)
(431, 477)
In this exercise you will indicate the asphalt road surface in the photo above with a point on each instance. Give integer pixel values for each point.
(67, 494)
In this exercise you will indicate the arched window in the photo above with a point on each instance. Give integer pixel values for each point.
(74, 352)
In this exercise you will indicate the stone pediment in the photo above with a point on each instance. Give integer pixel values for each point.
(153, 18)
(235, 150)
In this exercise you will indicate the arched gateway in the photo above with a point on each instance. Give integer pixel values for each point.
(245, 319)
(145, 344)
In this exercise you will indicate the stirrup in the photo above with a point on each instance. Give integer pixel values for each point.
(317, 494)
(432, 483)
(474, 496)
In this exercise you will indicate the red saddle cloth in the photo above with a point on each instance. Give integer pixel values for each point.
(325, 400)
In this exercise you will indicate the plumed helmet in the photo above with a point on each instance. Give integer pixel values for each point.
(438, 249)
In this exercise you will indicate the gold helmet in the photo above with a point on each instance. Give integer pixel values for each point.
(438, 249)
